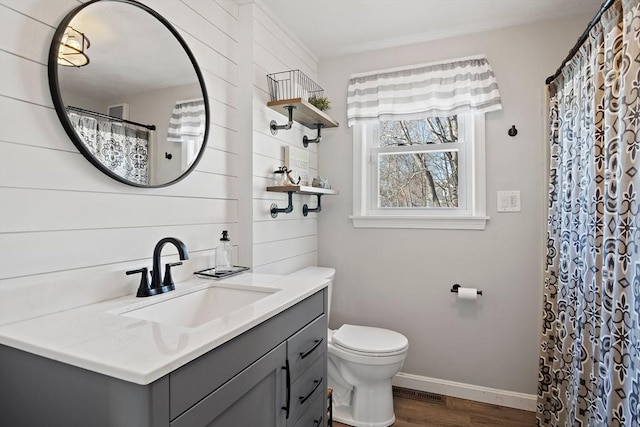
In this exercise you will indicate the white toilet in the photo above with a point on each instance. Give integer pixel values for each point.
(362, 362)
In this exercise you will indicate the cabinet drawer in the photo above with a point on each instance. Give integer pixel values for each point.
(195, 380)
(306, 346)
(311, 384)
(315, 416)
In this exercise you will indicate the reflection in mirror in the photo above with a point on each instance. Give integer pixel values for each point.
(137, 108)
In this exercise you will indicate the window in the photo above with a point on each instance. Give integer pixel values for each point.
(419, 144)
(425, 173)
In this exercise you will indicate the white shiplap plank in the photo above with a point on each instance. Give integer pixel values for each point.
(188, 21)
(24, 79)
(49, 12)
(24, 210)
(291, 44)
(264, 166)
(211, 60)
(273, 231)
(223, 139)
(219, 89)
(219, 162)
(267, 61)
(273, 147)
(43, 252)
(267, 42)
(265, 253)
(36, 295)
(224, 115)
(217, 15)
(13, 28)
(47, 134)
(231, 7)
(32, 167)
(289, 265)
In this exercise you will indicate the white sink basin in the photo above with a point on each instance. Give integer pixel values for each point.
(195, 308)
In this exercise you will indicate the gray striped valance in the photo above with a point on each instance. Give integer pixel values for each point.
(187, 121)
(437, 89)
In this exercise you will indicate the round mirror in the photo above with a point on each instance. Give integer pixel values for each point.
(129, 92)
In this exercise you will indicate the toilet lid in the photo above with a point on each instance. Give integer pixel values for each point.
(366, 339)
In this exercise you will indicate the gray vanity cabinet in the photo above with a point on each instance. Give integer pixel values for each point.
(272, 375)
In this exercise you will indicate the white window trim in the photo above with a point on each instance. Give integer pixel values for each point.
(472, 218)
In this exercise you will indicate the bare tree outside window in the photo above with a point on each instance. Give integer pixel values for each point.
(426, 177)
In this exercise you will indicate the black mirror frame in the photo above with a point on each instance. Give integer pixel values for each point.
(56, 96)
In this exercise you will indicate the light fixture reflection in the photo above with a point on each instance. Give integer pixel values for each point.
(72, 48)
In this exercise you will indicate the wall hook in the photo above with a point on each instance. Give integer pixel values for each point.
(513, 131)
(306, 141)
(274, 126)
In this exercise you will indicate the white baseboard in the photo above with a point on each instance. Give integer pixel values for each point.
(493, 396)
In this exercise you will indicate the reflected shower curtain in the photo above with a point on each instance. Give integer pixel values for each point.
(590, 347)
(120, 147)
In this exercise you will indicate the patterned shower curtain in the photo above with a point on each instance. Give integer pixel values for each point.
(122, 148)
(590, 347)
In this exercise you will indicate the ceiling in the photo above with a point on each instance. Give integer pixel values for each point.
(337, 27)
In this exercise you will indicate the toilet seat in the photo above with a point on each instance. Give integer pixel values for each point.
(369, 341)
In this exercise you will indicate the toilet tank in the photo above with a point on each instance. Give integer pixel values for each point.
(321, 273)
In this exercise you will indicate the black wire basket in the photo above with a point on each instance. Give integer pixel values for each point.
(292, 84)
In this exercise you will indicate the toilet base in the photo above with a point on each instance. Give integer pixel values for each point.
(342, 415)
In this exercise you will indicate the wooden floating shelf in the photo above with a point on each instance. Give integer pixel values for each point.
(304, 113)
(301, 189)
(298, 189)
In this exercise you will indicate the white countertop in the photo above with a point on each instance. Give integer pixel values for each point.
(97, 338)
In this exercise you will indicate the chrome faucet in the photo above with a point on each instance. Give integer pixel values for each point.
(158, 284)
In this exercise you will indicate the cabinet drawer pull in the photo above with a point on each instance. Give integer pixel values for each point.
(288, 406)
(317, 422)
(315, 387)
(315, 345)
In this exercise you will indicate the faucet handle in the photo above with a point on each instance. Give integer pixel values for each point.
(144, 288)
(168, 280)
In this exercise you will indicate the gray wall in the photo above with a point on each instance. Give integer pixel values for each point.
(400, 279)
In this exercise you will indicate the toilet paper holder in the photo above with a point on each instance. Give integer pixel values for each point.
(455, 287)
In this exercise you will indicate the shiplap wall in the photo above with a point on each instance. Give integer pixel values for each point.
(288, 242)
(68, 233)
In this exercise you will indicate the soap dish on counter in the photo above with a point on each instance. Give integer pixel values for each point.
(211, 273)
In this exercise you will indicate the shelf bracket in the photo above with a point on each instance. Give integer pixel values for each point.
(275, 210)
(274, 126)
(306, 209)
(306, 141)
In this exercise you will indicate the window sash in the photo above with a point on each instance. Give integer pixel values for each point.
(473, 218)
(374, 149)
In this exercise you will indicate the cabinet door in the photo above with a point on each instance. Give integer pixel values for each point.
(254, 397)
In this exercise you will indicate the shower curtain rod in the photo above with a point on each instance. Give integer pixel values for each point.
(106, 116)
(606, 5)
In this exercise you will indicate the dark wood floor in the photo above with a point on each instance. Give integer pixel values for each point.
(457, 413)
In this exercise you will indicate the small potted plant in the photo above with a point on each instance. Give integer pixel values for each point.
(320, 102)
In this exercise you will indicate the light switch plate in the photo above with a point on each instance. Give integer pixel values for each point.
(508, 201)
